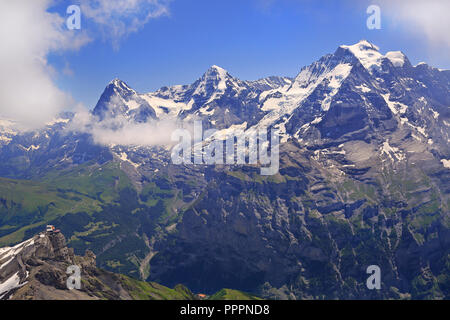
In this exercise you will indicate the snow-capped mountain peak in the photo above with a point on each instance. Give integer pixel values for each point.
(121, 87)
(119, 99)
(216, 77)
(397, 58)
(367, 53)
(362, 45)
(371, 58)
(214, 69)
(357, 78)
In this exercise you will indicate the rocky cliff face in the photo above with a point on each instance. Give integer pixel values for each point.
(37, 270)
(310, 232)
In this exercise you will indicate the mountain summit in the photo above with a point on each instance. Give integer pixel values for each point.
(119, 99)
(371, 58)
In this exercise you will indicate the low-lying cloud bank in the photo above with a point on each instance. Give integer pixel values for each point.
(122, 131)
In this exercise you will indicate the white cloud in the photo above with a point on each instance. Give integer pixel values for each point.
(429, 18)
(117, 19)
(28, 33)
(153, 133)
(122, 131)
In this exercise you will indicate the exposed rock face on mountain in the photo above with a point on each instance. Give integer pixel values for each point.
(37, 269)
(313, 230)
(363, 180)
(120, 100)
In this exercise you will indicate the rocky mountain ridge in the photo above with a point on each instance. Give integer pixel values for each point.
(37, 269)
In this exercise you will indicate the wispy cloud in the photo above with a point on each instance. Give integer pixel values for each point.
(28, 33)
(123, 131)
(117, 19)
(428, 18)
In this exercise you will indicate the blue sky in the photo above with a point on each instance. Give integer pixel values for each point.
(250, 38)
